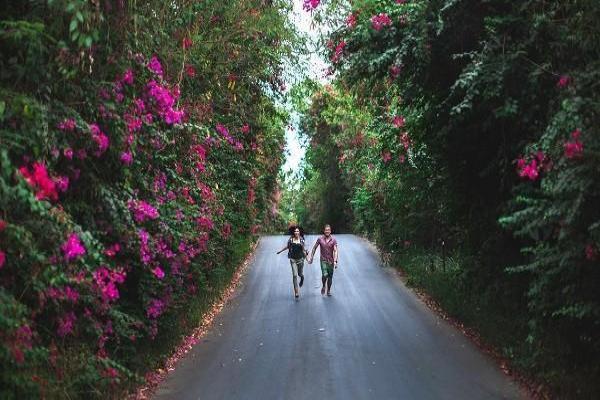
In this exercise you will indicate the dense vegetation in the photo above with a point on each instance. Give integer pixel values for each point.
(466, 136)
(139, 149)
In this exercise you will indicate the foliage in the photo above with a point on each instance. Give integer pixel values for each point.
(470, 125)
(139, 148)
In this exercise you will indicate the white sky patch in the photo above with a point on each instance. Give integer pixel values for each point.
(316, 70)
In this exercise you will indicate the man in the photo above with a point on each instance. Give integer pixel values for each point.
(329, 257)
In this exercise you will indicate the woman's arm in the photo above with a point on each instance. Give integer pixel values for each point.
(287, 245)
(312, 254)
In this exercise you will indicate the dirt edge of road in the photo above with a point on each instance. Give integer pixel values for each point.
(156, 377)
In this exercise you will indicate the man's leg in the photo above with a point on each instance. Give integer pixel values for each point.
(323, 276)
(301, 271)
(329, 278)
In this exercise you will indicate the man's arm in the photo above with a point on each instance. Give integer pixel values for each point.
(335, 255)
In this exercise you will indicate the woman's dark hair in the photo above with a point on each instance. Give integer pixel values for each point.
(292, 228)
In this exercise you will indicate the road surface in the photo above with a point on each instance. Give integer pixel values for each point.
(373, 339)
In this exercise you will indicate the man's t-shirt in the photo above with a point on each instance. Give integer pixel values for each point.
(327, 245)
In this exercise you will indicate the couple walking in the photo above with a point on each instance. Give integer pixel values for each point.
(297, 252)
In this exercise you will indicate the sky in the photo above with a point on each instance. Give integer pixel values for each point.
(304, 23)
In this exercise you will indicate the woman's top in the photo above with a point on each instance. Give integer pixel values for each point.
(296, 248)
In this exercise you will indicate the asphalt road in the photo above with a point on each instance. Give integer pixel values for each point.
(373, 339)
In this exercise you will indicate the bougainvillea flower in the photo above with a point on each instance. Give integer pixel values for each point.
(68, 125)
(158, 272)
(246, 129)
(142, 211)
(186, 43)
(40, 181)
(574, 148)
(2, 258)
(68, 153)
(66, 324)
(128, 77)
(126, 158)
(398, 121)
(351, 21)
(155, 308)
(563, 81)
(190, 71)
(155, 66)
(386, 156)
(380, 21)
(72, 248)
(395, 71)
(339, 50)
(310, 5)
(2, 225)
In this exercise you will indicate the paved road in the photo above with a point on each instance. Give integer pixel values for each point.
(371, 340)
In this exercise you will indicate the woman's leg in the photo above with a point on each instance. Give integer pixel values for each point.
(294, 275)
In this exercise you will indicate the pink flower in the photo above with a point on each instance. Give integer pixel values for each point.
(351, 21)
(134, 124)
(40, 181)
(402, 158)
(142, 211)
(246, 129)
(72, 248)
(205, 223)
(398, 121)
(226, 230)
(563, 81)
(2, 225)
(66, 324)
(574, 148)
(68, 153)
(62, 183)
(400, 1)
(158, 272)
(126, 158)
(190, 71)
(139, 106)
(530, 171)
(339, 50)
(380, 20)
(112, 250)
(591, 252)
(128, 77)
(100, 138)
(186, 43)
(310, 5)
(386, 156)
(173, 117)
(106, 281)
(395, 71)
(154, 66)
(68, 125)
(155, 308)
(2, 258)
(71, 294)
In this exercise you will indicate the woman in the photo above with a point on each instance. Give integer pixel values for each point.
(296, 254)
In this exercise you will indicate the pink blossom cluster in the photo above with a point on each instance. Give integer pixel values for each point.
(339, 51)
(2, 258)
(22, 339)
(574, 147)
(398, 121)
(106, 281)
(66, 324)
(66, 293)
(155, 308)
(145, 252)
(386, 156)
(72, 248)
(395, 71)
(164, 101)
(155, 66)
(38, 178)
(68, 125)
(405, 140)
(100, 138)
(142, 211)
(531, 170)
(563, 81)
(351, 20)
(158, 272)
(380, 21)
(205, 223)
(310, 5)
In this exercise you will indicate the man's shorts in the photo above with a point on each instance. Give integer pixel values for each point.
(326, 268)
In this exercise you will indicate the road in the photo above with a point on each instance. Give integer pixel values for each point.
(373, 339)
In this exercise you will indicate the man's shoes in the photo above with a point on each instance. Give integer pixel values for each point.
(301, 280)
